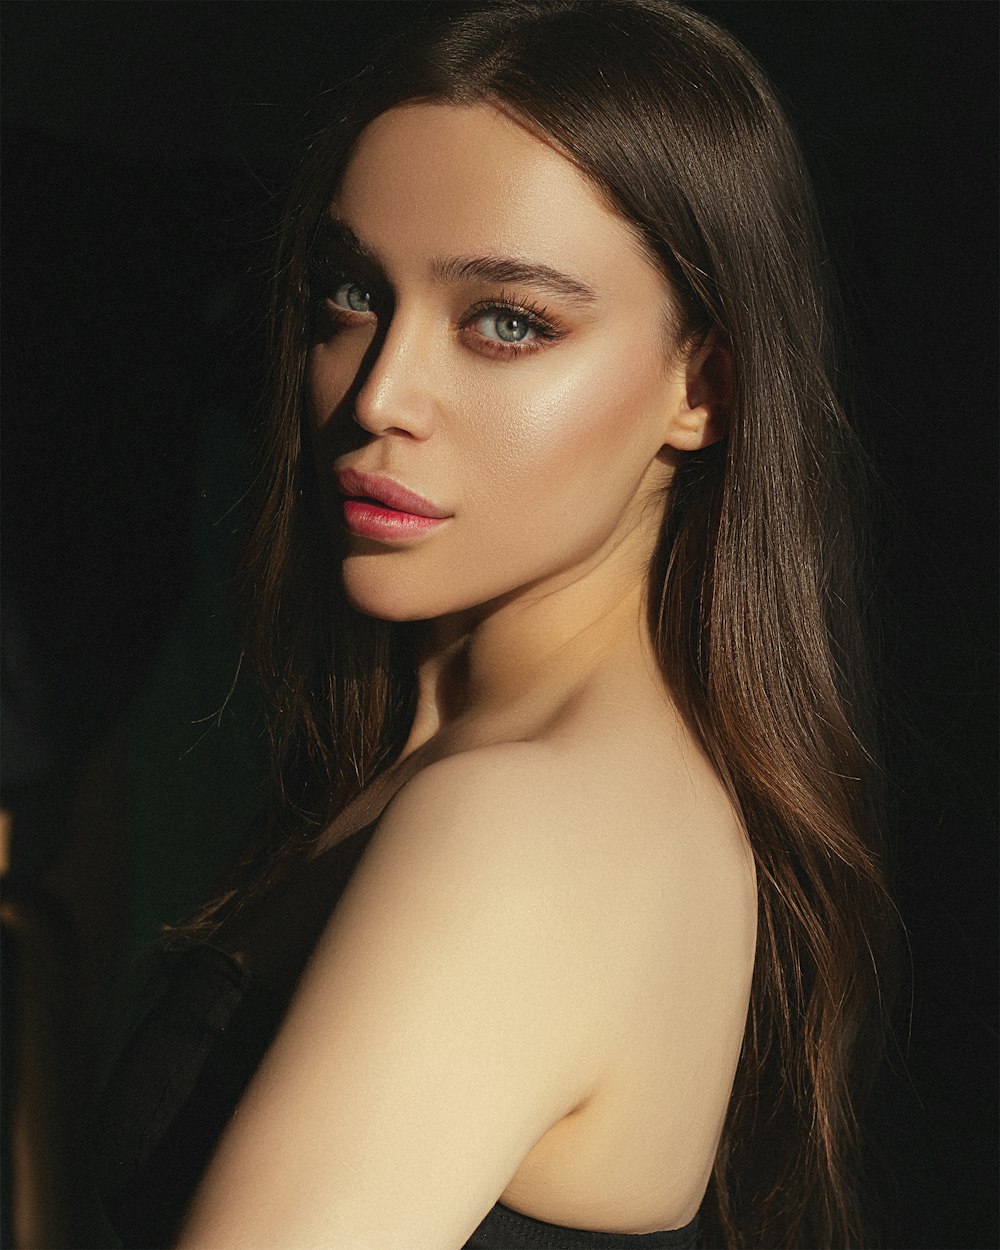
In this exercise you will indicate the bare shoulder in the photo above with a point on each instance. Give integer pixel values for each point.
(486, 781)
(513, 844)
(503, 942)
(607, 794)
(498, 816)
(541, 800)
(489, 838)
(460, 1003)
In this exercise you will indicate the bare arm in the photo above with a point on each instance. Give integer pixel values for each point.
(456, 1007)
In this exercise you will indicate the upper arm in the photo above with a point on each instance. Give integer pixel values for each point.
(443, 1025)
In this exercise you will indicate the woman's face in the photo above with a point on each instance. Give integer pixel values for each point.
(493, 340)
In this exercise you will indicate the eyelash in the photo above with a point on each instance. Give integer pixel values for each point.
(538, 318)
(539, 321)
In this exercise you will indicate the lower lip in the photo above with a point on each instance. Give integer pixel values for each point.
(372, 520)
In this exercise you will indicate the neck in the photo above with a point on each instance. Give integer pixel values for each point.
(531, 649)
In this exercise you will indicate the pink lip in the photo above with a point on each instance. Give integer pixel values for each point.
(377, 507)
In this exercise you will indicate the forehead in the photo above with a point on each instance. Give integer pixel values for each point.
(443, 179)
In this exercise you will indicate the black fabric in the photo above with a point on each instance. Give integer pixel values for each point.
(178, 1083)
(175, 1088)
(504, 1229)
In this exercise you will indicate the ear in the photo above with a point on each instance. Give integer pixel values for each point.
(704, 385)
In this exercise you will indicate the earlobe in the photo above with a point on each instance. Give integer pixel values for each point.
(700, 416)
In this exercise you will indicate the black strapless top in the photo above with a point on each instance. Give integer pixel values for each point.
(178, 1083)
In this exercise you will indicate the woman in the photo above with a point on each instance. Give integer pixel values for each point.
(570, 912)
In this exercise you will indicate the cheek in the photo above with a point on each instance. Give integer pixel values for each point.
(562, 426)
(328, 379)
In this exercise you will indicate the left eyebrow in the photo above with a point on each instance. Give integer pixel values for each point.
(511, 269)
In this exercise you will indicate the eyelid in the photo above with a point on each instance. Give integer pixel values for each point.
(326, 270)
(537, 314)
(546, 329)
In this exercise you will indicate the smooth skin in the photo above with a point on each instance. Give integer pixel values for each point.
(535, 986)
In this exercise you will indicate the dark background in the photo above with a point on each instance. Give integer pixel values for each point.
(145, 150)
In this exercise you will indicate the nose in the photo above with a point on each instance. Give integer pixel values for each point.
(399, 394)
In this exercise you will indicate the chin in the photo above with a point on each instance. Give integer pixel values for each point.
(388, 599)
(395, 613)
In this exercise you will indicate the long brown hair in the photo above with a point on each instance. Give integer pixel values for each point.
(754, 588)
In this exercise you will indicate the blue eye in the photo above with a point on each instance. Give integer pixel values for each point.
(510, 329)
(506, 325)
(354, 296)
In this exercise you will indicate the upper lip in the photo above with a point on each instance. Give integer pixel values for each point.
(355, 485)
